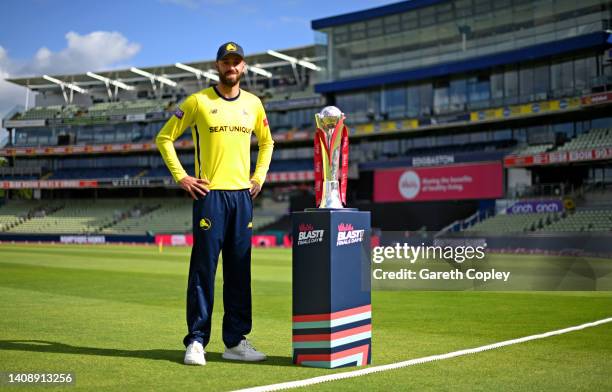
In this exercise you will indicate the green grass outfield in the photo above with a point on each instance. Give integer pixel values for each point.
(114, 315)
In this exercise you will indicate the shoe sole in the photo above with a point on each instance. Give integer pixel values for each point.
(193, 362)
(233, 357)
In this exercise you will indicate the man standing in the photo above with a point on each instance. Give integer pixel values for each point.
(222, 119)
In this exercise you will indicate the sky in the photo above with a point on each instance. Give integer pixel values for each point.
(63, 37)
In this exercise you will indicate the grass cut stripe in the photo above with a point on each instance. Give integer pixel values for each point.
(418, 361)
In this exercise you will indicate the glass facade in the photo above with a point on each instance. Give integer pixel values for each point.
(453, 31)
(514, 84)
(291, 119)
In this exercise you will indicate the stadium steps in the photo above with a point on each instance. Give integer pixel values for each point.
(15, 212)
(168, 216)
(118, 216)
(80, 216)
(515, 223)
(281, 224)
(583, 220)
(174, 216)
(23, 212)
(267, 213)
(138, 211)
(533, 149)
(594, 138)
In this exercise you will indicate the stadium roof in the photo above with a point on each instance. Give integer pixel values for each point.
(170, 71)
(372, 13)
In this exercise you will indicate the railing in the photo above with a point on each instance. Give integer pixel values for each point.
(597, 194)
(462, 224)
(542, 190)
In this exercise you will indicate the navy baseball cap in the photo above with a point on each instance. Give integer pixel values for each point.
(229, 48)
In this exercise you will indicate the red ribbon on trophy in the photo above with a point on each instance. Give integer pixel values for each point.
(325, 156)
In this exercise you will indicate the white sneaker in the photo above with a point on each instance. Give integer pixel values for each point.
(194, 355)
(244, 352)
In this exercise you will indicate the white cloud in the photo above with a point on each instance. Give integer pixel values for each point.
(95, 51)
(10, 94)
(8, 91)
(89, 52)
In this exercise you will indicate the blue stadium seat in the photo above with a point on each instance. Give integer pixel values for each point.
(92, 173)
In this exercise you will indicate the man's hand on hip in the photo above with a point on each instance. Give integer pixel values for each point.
(255, 189)
(194, 186)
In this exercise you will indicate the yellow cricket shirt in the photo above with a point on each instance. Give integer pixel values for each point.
(221, 130)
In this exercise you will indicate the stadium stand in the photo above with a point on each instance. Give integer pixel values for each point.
(102, 109)
(583, 220)
(533, 149)
(17, 211)
(601, 137)
(116, 216)
(280, 165)
(268, 212)
(123, 108)
(41, 113)
(74, 216)
(158, 172)
(598, 195)
(97, 173)
(172, 216)
(594, 214)
(514, 223)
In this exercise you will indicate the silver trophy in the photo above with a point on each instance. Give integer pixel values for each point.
(327, 121)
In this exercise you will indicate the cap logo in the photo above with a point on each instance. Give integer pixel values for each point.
(230, 47)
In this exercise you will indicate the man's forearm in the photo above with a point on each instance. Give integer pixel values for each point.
(168, 152)
(263, 162)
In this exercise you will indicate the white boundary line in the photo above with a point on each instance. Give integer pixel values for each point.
(417, 361)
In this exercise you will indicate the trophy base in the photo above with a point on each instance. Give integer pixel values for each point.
(331, 195)
(328, 280)
(329, 209)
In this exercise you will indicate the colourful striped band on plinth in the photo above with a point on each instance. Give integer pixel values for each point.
(331, 320)
(331, 340)
(355, 356)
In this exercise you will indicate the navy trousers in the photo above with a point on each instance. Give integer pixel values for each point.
(222, 222)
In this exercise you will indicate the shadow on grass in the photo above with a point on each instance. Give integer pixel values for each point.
(176, 356)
